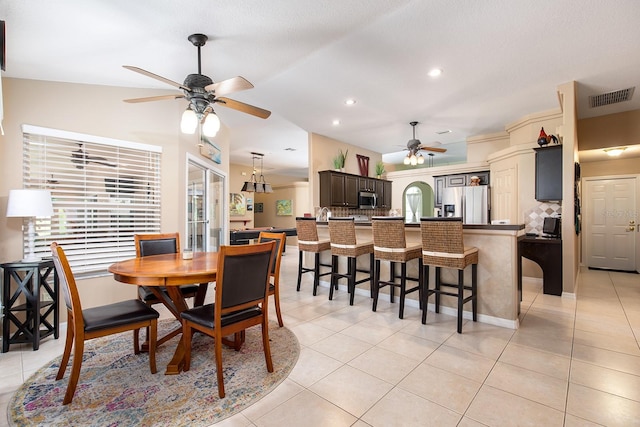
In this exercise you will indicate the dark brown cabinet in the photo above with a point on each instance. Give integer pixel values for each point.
(338, 189)
(342, 189)
(383, 194)
(549, 173)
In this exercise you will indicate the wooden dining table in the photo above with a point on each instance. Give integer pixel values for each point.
(170, 271)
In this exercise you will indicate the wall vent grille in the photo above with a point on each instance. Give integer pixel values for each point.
(611, 97)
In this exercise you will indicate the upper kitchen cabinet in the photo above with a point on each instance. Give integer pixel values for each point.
(549, 173)
(338, 189)
(383, 194)
(367, 184)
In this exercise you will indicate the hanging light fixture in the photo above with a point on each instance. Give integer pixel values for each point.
(253, 185)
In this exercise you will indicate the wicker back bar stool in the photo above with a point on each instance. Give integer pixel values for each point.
(342, 233)
(443, 246)
(308, 241)
(389, 244)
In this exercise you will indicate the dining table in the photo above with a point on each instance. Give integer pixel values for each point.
(170, 271)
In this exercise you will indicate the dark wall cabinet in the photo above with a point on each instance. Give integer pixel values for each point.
(341, 189)
(456, 180)
(549, 173)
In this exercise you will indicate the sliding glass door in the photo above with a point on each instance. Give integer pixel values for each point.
(206, 206)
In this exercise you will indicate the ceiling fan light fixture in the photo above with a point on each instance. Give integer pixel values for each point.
(420, 159)
(407, 159)
(189, 121)
(414, 160)
(211, 125)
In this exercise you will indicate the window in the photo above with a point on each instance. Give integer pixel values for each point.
(413, 197)
(103, 191)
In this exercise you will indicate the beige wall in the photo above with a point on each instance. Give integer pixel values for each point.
(322, 150)
(238, 174)
(99, 111)
(611, 130)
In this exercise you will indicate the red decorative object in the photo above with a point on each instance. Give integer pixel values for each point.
(363, 164)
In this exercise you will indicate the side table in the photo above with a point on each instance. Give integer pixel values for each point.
(32, 307)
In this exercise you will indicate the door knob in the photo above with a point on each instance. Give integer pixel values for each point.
(632, 226)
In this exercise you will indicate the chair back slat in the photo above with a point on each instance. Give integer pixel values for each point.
(67, 281)
(156, 244)
(280, 239)
(243, 274)
(388, 232)
(442, 235)
(306, 229)
(342, 231)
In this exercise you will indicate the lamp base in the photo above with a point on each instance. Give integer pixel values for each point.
(32, 259)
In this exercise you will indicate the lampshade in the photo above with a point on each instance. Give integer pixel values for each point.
(407, 159)
(420, 159)
(211, 125)
(189, 121)
(249, 186)
(29, 203)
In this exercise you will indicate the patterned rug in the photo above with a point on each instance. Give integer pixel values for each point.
(116, 388)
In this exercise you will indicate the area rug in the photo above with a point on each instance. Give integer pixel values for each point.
(116, 387)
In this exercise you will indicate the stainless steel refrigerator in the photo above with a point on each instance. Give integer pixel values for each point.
(473, 204)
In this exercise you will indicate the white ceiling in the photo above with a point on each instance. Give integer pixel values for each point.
(502, 59)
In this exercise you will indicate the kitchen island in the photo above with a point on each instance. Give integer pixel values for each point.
(498, 294)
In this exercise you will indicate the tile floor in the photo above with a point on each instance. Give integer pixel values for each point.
(571, 363)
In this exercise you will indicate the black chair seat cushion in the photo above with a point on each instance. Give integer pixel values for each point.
(116, 314)
(203, 315)
(147, 296)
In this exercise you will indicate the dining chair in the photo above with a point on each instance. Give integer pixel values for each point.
(274, 288)
(242, 291)
(95, 322)
(159, 244)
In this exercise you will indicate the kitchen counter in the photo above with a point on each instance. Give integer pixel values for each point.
(498, 296)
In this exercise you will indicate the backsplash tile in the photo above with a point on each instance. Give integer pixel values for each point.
(534, 218)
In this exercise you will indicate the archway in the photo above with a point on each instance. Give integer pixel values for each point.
(417, 201)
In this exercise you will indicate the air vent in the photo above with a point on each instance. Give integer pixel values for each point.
(611, 97)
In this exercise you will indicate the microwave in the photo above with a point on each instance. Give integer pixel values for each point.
(366, 200)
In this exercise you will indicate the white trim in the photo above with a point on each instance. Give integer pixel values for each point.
(57, 133)
(442, 254)
(312, 242)
(392, 250)
(339, 246)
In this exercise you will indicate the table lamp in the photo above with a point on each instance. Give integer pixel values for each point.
(30, 204)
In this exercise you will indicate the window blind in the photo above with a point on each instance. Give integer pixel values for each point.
(103, 192)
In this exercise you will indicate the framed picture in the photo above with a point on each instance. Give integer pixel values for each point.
(237, 204)
(284, 207)
(210, 150)
(259, 207)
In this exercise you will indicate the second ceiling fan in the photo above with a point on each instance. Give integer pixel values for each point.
(414, 146)
(202, 94)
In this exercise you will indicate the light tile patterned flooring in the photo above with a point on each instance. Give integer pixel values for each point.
(571, 363)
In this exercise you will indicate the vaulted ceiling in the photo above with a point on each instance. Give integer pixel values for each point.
(501, 60)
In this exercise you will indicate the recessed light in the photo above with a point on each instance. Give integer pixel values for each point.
(336, 122)
(614, 152)
(442, 132)
(290, 149)
(436, 72)
(350, 101)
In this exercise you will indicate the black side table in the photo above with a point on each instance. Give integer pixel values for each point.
(32, 308)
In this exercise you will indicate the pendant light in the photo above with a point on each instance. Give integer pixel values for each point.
(253, 185)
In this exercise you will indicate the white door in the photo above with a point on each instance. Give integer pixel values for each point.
(609, 209)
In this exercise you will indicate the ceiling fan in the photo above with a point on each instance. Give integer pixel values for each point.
(202, 93)
(414, 146)
(81, 159)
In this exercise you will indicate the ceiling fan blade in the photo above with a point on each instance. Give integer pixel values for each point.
(228, 86)
(157, 77)
(153, 98)
(245, 108)
(434, 149)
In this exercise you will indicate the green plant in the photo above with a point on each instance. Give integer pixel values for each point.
(343, 157)
(379, 168)
(337, 162)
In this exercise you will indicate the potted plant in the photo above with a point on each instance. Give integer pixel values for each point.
(379, 169)
(340, 159)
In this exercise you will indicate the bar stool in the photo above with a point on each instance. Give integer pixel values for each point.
(308, 241)
(342, 233)
(389, 244)
(443, 246)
